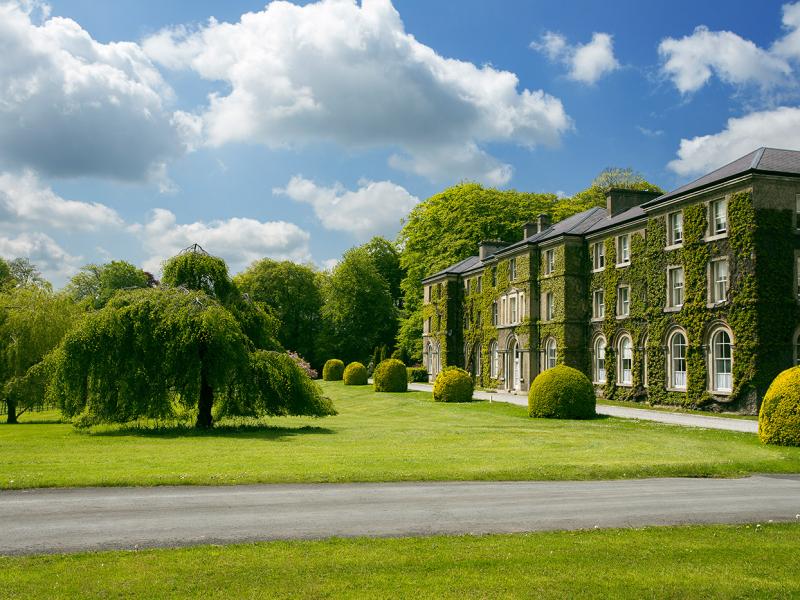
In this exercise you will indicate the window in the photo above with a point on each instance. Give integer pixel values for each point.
(645, 342)
(549, 354)
(598, 304)
(503, 313)
(494, 360)
(719, 217)
(466, 287)
(623, 301)
(677, 361)
(495, 320)
(721, 361)
(675, 287)
(478, 360)
(549, 262)
(513, 308)
(549, 309)
(512, 269)
(624, 249)
(599, 370)
(625, 364)
(675, 228)
(719, 280)
(480, 283)
(598, 256)
(494, 276)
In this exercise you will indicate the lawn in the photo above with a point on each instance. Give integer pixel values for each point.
(379, 437)
(674, 562)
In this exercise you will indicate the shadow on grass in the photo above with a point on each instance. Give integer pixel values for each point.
(248, 431)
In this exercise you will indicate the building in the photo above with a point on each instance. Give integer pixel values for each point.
(690, 297)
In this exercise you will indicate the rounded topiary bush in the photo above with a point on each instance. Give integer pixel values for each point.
(355, 374)
(779, 418)
(390, 376)
(562, 393)
(333, 370)
(453, 385)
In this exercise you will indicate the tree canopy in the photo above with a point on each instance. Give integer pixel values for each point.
(195, 269)
(387, 261)
(26, 274)
(96, 284)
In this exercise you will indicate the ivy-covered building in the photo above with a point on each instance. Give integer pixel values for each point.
(690, 297)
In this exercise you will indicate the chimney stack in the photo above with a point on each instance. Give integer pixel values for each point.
(489, 247)
(543, 222)
(618, 200)
(530, 228)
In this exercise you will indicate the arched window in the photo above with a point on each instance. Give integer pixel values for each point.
(677, 361)
(721, 361)
(494, 360)
(599, 370)
(549, 354)
(625, 361)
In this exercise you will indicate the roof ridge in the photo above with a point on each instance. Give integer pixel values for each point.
(759, 155)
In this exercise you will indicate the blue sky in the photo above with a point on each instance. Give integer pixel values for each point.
(134, 128)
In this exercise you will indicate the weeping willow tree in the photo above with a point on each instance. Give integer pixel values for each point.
(159, 352)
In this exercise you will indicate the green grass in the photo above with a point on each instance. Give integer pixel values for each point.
(676, 409)
(679, 562)
(380, 437)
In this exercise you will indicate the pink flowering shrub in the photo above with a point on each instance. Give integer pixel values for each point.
(301, 362)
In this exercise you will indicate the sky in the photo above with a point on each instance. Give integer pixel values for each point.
(132, 129)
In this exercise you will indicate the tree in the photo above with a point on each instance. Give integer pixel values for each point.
(358, 307)
(387, 260)
(33, 321)
(150, 352)
(294, 295)
(6, 280)
(96, 284)
(26, 274)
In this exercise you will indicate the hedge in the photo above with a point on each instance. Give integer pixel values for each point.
(453, 385)
(333, 370)
(779, 418)
(355, 374)
(390, 376)
(562, 393)
(417, 375)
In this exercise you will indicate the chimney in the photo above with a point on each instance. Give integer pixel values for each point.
(530, 228)
(543, 222)
(489, 247)
(618, 200)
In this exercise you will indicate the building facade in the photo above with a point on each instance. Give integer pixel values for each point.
(690, 297)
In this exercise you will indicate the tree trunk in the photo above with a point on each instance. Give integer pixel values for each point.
(12, 412)
(204, 418)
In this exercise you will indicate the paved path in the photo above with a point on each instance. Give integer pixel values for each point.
(673, 418)
(67, 520)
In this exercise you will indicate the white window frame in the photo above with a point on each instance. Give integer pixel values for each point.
(599, 360)
(714, 229)
(512, 309)
(674, 224)
(677, 379)
(721, 382)
(512, 269)
(624, 303)
(718, 286)
(550, 354)
(598, 308)
(671, 287)
(494, 360)
(549, 261)
(549, 306)
(598, 256)
(624, 250)
(625, 361)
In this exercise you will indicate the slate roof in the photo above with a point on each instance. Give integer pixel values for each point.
(631, 214)
(763, 160)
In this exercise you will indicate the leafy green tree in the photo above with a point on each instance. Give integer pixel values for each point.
(96, 284)
(294, 294)
(387, 260)
(150, 353)
(33, 321)
(358, 309)
(6, 280)
(26, 274)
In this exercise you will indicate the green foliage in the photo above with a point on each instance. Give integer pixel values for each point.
(561, 393)
(96, 284)
(779, 418)
(6, 280)
(402, 355)
(355, 374)
(33, 321)
(333, 370)
(417, 374)
(293, 294)
(26, 274)
(358, 312)
(390, 376)
(387, 261)
(195, 269)
(453, 385)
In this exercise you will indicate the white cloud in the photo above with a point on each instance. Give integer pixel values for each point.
(789, 44)
(775, 128)
(338, 71)
(587, 63)
(650, 132)
(239, 241)
(375, 208)
(691, 61)
(42, 250)
(72, 106)
(24, 199)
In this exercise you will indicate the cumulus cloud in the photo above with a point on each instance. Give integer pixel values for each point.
(778, 128)
(789, 44)
(72, 106)
(52, 260)
(587, 63)
(375, 208)
(239, 241)
(24, 199)
(338, 71)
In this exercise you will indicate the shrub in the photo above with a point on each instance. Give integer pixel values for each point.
(417, 374)
(303, 364)
(333, 370)
(453, 385)
(390, 376)
(779, 418)
(401, 355)
(355, 374)
(562, 393)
